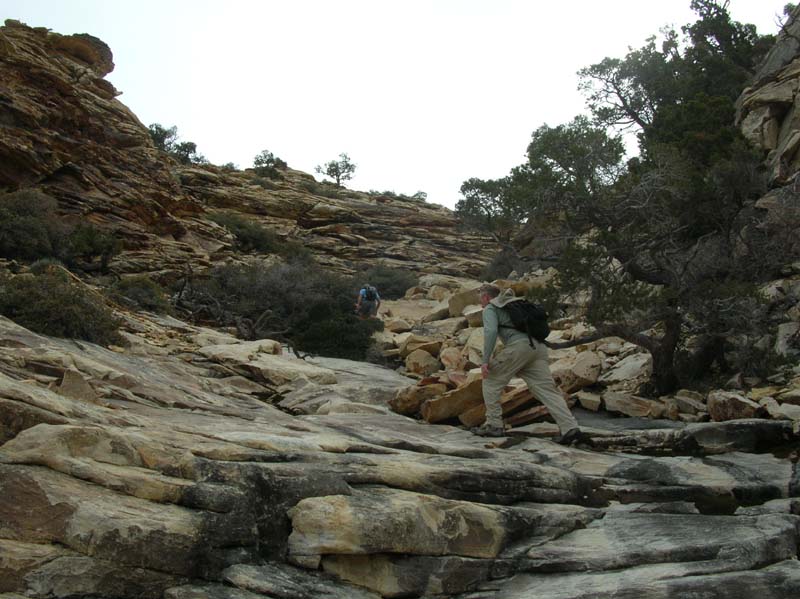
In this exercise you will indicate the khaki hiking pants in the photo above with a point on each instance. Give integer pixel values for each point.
(531, 365)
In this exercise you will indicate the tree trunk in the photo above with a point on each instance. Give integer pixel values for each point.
(711, 350)
(664, 378)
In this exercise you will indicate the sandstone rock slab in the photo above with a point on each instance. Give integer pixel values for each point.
(723, 405)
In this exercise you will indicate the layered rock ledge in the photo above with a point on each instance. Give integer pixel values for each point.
(167, 469)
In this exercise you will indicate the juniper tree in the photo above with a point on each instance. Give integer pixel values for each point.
(338, 170)
(666, 247)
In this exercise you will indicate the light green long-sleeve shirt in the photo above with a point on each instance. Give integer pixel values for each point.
(497, 323)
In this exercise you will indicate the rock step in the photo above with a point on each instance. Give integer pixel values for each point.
(631, 555)
(380, 520)
(778, 581)
(625, 540)
(276, 581)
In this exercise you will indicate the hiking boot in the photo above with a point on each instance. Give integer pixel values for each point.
(575, 436)
(489, 431)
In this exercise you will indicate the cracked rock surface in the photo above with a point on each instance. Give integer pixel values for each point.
(143, 473)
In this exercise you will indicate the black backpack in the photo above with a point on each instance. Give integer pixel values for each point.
(529, 318)
(370, 294)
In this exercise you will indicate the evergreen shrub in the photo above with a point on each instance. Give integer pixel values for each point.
(391, 283)
(53, 304)
(250, 236)
(30, 229)
(297, 302)
(253, 237)
(142, 292)
(268, 165)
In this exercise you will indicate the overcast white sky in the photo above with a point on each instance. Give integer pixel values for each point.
(421, 94)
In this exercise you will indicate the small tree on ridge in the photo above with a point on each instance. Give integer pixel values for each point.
(338, 170)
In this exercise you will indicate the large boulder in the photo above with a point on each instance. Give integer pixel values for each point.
(368, 523)
(631, 405)
(780, 411)
(451, 358)
(398, 325)
(787, 341)
(459, 301)
(690, 402)
(408, 400)
(421, 362)
(725, 405)
(630, 368)
(451, 404)
(473, 347)
(575, 372)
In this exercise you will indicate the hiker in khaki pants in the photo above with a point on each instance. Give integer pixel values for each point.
(522, 357)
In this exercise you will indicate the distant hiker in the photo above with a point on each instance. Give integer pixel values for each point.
(368, 302)
(521, 356)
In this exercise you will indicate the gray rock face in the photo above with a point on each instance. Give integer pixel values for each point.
(145, 474)
(782, 53)
(777, 581)
(768, 110)
(624, 540)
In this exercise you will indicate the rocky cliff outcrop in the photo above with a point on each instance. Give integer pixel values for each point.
(63, 131)
(344, 228)
(768, 111)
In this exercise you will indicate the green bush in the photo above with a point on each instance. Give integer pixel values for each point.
(420, 196)
(294, 251)
(267, 164)
(166, 139)
(265, 183)
(52, 304)
(391, 283)
(323, 189)
(30, 229)
(142, 292)
(252, 237)
(87, 242)
(339, 336)
(297, 302)
(309, 186)
(502, 265)
(42, 265)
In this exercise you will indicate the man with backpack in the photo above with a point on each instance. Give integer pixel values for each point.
(368, 302)
(522, 355)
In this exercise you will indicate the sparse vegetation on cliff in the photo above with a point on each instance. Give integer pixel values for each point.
(266, 164)
(28, 229)
(338, 170)
(142, 292)
(167, 140)
(253, 237)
